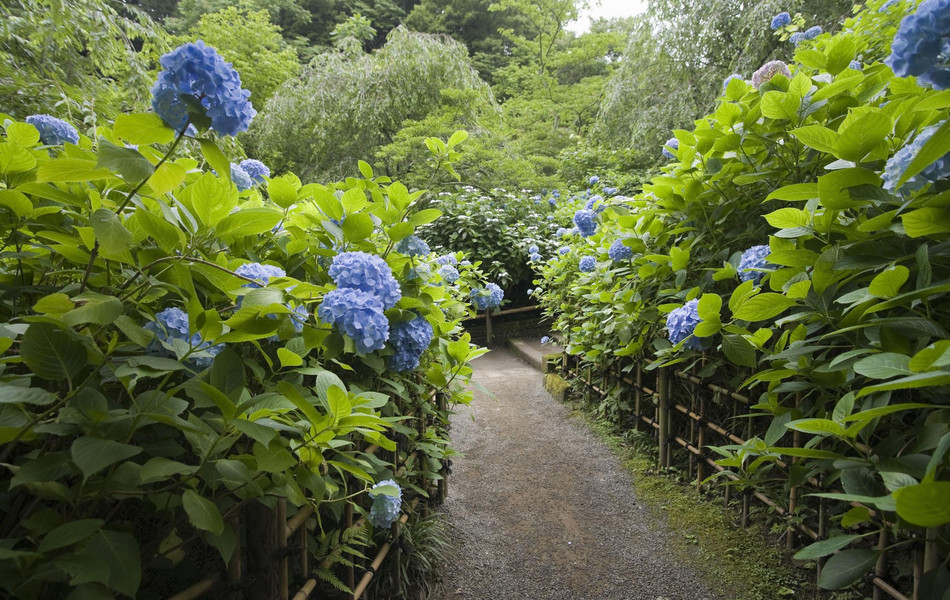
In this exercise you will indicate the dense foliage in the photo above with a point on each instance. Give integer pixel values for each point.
(176, 347)
(796, 243)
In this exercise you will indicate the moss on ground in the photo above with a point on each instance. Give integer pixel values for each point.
(736, 563)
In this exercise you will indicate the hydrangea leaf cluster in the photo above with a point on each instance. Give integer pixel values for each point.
(587, 264)
(357, 314)
(897, 165)
(172, 324)
(196, 72)
(255, 169)
(409, 339)
(586, 222)
(488, 297)
(671, 143)
(754, 258)
(412, 245)
(53, 131)
(769, 70)
(921, 47)
(368, 273)
(619, 252)
(240, 178)
(681, 323)
(449, 274)
(385, 509)
(781, 20)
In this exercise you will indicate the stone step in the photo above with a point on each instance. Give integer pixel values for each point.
(532, 351)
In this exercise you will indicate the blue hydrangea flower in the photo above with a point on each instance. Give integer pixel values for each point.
(357, 314)
(545, 340)
(240, 178)
(593, 179)
(366, 272)
(198, 71)
(447, 259)
(725, 83)
(449, 274)
(769, 70)
(561, 232)
(409, 339)
(385, 508)
(671, 143)
(412, 246)
(53, 131)
(259, 272)
(593, 200)
(610, 191)
(466, 263)
(488, 297)
(556, 193)
(897, 164)
(855, 65)
(781, 20)
(256, 169)
(587, 264)
(796, 38)
(530, 292)
(754, 258)
(922, 45)
(533, 249)
(535, 257)
(586, 222)
(619, 252)
(681, 323)
(171, 324)
(552, 202)
(812, 32)
(299, 318)
(550, 217)
(563, 250)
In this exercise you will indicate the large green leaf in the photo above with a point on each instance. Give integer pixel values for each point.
(937, 146)
(825, 547)
(121, 552)
(763, 306)
(249, 221)
(128, 163)
(846, 568)
(863, 135)
(52, 353)
(69, 533)
(92, 454)
(202, 513)
(113, 237)
(143, 129)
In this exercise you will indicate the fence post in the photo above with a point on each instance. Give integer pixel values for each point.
(234, 565)
(283, 568)
(663, 417)
(793, 492)
(263, 580)
(637, 393)
(443, 485)
(881, 566)
(701, 442)
(488, 328)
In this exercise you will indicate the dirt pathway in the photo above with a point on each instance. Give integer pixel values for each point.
(542, 510)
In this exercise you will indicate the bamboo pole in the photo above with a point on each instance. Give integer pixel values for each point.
(283, 567)
(881, 566)
(381, 555)
(235, 565)
(196, 590)
(663, 418)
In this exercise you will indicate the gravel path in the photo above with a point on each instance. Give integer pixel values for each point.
(542, 510)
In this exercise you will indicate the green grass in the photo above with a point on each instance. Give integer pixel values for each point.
(735, 563)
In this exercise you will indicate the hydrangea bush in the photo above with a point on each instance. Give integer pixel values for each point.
(178, 342)
(833, 181)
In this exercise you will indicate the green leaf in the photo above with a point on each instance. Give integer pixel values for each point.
(283, 190)
(424, 216)
(795, 192)
(817, 426)
(780, 105)
(935, 147)
(825, 547)
(70, 169)
(887, 284)
(218, 161)
(924, 504)
(863, 135)
(353, 201)
(931, 379)
(92, 455)
(18, 394)
(143, 129)
(227, 373)
(763, 306)
(290, 392)
(738, 350)
(856, 516)
(785, 218)
(846, 568)
(833, 187)
(288, 358)
(807, 453)
(167, 178)
(400, 231)
(160, 468)
(94, 308)
(202, 513)
(113, 237)
(121, 552)
(884, 365)
(873, 413)
(930, 220)
(248, 221)
(817, 137)
(52, 353)
(709, 307)
(69, 533)
(458, 137)
(128, 163)
(23, 134)
(358, 227)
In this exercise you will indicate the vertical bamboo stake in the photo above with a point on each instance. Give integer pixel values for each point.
(931, 556)
(822, 525)
(636, 399)
(692, 430)
(350, 570)
(790, 538)
(283, 567)
(745, 508)
(881, 566)
(261, 525)
(304, 550)
(443, 484)
(234, 565)
(918, 566)
(701, 442)
(488, 327)
(664, 420)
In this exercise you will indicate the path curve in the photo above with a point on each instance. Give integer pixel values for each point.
(542, 510)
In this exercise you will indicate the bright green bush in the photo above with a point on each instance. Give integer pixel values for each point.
(845, 339)
(124, 457)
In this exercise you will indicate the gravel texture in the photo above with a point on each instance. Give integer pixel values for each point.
(542, 510)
